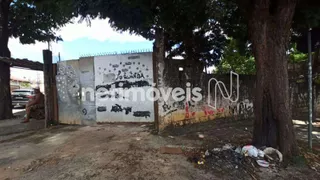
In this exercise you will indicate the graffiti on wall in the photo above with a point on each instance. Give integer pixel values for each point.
(68, 84)
(116, 74)
(68, 87)
(71, 76)
(240, 110)
(186, 111)
(123, 85)
(87, 80)
(179, 113)
(118, 108)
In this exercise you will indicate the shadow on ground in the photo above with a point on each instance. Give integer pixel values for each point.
(132, 151)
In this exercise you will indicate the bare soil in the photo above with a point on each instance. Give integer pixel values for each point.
(101, 152)
(132, 151)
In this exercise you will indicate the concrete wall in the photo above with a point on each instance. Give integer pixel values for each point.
(95, 89)
(135, 73)
(87, 78)
(187, 111)
(68, 87)
(103, 89)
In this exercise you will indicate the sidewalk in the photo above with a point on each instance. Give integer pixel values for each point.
(14, 125)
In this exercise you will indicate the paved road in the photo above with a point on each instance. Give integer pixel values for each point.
(17, 110)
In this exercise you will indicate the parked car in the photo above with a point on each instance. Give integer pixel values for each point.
(20, 97)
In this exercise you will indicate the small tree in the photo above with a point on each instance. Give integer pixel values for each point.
(25, 85)
(233, 60)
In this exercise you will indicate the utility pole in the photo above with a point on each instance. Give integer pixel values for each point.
(310, 109)
(49, 45)
(59, 57)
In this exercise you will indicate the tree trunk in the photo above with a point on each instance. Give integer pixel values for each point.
(5, 99)
(269, 30)
(193, 66)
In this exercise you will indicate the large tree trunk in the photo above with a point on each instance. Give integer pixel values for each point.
(193, 66)
(269, 30)
(5, 99)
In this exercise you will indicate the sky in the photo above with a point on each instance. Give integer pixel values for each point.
(78, 39)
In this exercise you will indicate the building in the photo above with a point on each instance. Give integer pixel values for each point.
(18, 83)
(26, 78)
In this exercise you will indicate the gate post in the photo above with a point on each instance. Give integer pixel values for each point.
(48, 77)
(55, 94)
(158, 55)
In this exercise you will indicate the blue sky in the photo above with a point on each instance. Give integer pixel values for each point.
(89, 46)
(79, 39)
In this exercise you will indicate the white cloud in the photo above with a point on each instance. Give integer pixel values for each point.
(27, 74)
(32, 51)
(99, 30)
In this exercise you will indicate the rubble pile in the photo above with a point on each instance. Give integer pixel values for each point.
(236, 161)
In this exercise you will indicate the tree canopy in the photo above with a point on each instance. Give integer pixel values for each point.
(234, 15)
(32, 20)
(233, 60)
(190, 27)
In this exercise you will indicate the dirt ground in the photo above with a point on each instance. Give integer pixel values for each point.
(126, 151)
(102, 152)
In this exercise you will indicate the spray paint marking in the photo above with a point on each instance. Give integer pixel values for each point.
(145, 114)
